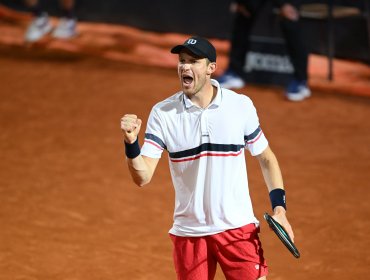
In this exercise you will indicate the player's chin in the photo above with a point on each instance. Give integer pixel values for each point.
(187, 85)
(188, 88)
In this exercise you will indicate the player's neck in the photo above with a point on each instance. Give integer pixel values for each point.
(205, 96)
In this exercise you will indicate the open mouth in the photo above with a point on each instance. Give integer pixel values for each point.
(187, 79)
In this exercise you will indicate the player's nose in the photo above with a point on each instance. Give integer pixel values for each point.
(185, 66)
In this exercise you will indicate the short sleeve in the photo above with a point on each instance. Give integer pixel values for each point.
(255, 140)
(153, 142)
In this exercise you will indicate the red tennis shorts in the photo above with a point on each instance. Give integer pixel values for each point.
(238, 252)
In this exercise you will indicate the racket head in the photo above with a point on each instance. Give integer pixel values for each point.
(282, 234)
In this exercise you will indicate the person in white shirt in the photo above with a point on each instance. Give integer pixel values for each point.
(205, 129)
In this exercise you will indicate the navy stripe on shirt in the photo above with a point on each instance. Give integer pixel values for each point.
(207, 147)
(155, 139)
(252, 136)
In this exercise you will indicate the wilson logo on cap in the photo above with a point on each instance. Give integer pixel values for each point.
(191, 42)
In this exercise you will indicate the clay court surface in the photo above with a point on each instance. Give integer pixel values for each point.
(68, 209)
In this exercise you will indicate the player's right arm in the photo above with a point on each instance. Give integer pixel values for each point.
(141, 167)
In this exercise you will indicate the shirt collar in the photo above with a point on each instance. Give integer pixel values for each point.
(216, 102)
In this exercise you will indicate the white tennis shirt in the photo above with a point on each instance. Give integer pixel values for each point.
(206, 159)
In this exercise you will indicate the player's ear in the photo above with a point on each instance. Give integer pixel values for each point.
(212, 66)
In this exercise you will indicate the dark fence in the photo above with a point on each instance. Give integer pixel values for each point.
(212, 18)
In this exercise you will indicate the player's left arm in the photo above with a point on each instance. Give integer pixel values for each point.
(274, 181)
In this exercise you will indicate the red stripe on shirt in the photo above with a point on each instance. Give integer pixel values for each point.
(208, 154)
(255, 139)
(153, 143)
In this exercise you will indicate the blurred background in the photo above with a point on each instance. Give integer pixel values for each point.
(212, 19)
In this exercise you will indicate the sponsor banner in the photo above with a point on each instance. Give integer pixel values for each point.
(268, 62)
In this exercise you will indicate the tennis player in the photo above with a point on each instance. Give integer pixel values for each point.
(206, 129)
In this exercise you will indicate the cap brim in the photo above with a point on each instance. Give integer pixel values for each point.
(177, 49)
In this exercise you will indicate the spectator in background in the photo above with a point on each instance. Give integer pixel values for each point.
(246, 13)
(40, 25)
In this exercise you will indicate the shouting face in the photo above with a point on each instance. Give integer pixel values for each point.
(193, 72)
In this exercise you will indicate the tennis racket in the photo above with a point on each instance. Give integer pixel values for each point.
(282, 234)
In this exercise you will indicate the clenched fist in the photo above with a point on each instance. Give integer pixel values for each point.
(130, 125)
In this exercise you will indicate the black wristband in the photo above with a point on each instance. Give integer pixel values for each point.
(132, 150)
(277, 198)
